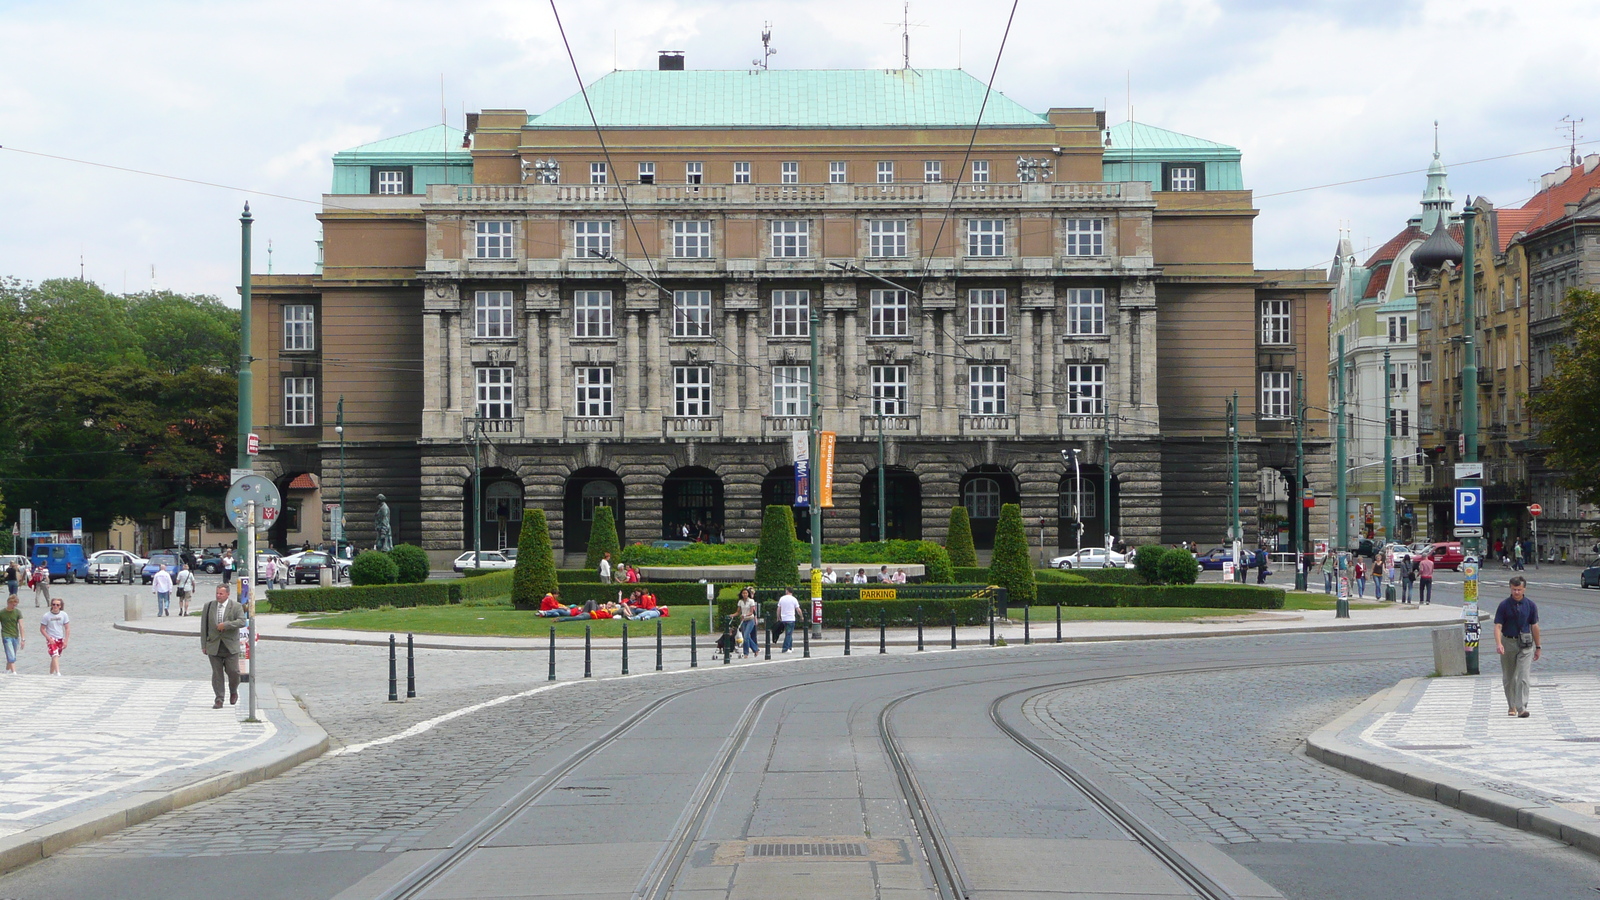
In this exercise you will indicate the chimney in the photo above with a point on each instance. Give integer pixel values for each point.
(1590, 161)
(670, 61)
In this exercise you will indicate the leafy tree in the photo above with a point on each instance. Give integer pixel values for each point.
(374, 567)
(1177, 567)
(77, 322)
(602, 537)
(535, 574)
(776, 563)
(959, 539)
(176, 331)
(411, 563)
(1010, 567)
(1147, 561)
(1564, 409)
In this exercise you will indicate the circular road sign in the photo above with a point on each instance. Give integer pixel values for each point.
(1535, 509)
(265, 494)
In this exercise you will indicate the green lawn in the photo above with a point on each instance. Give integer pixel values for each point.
(495, 621)
(1310, 600)
(1046, 615)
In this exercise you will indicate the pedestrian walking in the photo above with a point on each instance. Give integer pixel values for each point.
(13, 577)
(605, 568)
(1361, 580)
(748, 613)
(1261, 566)
(11, 633)
(1330, 566)
(1425, 581)
(788, 608)
(56, 627)
(40, 580)
(229, 566)
(1516, 556)
(185, 587)
(1408, 574)
(1516, 639)
(220, 622)
(161, 586)
(1377, 576)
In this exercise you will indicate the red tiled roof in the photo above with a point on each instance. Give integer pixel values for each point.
(1551, 204)
(1390, 250)
(1380, 277)
(1510, 221)
(302, 482)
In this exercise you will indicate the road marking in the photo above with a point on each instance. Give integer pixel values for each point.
(429, 724)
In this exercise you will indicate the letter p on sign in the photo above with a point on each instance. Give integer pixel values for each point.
(1469, 507)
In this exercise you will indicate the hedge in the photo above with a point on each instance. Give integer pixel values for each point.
(329, 599)
(1201, 596)
(411, 562)
(970, 574)
(876, 553)
(1110, 576)
(569, 576)
(1057, 576)
(373, 567)
(675, 594)
(693, 555)
(495, 584)
(1147, 561)
(864, 613)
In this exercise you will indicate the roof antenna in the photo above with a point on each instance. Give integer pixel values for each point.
(766, 47)
(1572, 131)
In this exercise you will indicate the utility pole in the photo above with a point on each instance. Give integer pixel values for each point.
(1105, 472)
(1341, 511)
(477, 492)
(1234, 529)
(1469, 328)
(882, 534)
(815, 486)
(1298, 499)
(338, 530)
(245, 221)
(1388, 450)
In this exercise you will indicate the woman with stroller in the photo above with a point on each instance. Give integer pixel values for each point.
(748, 612)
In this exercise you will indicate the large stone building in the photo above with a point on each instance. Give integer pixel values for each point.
(628, 322)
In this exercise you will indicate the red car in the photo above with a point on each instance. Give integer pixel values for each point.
(1447, 555)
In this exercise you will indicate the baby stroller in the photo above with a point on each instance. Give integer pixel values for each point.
(728, 642)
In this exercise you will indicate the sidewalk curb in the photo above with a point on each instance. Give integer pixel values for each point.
(1326, 746)
(34, 844)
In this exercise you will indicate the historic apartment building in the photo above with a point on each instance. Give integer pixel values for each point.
(630, 324)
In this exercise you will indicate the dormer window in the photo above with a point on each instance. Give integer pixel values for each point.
(391, 180)
(1183, 176)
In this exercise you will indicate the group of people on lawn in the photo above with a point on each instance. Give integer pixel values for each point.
(640, 604)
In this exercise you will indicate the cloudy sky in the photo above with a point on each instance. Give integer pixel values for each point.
(258, 96)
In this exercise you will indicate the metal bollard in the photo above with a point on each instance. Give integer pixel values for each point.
(658, 645)
(952, 628)
(883, 632)
(588, 659)
(694, 653)
(624, 648)
(805, 643)
(552, 653)
(919, 627)
(1027, 632)
(991, 621)
(1058, 621)
(727, 655)
(768, 636)
(394, 680)
(411, 669)
(847, 631)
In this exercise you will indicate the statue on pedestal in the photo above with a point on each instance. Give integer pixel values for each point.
(385, 535)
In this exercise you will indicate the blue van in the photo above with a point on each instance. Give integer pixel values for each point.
(65, 561)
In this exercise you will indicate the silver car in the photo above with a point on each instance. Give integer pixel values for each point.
(1090, 558)
(113, 567)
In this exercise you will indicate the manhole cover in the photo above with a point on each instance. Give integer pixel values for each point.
(789, 848)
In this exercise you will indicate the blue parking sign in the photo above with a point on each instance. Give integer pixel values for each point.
(1469, 507)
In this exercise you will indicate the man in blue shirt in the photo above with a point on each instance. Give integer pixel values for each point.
(1516, 639)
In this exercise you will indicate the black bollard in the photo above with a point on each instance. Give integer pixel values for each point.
(991, 621)
(919, 627)
(394, 680)
(883, 631)
(624, 648)
(694, 654)
(952, 628)
(588, 670)
(1058, 621)
(658, 645)
(847, 631)
(805, 640)
(411, 669)
(552, 653)
(727, 654)
(1027, 632)
(768, 642)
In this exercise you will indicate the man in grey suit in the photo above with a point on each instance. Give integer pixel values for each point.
(220, 622)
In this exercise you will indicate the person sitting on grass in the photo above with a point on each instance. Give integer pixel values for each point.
(551, 602)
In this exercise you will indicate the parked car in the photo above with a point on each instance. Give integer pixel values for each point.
(66, 562)
(1090, 558)
(487, 559)
(168, 561)
(211, 561)
(308, 568)
(113, 566)
(1214, 558)
(1447, 555)
(1590, 577)
(265, 557)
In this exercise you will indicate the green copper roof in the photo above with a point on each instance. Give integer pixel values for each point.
(435, 143)
(1129, 138)
(824, 98)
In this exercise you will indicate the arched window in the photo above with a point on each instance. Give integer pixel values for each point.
(502, 502)
(982, 498)
(597, 493)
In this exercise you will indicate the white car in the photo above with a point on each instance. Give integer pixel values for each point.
(487, 559)
(112, 566)
(1090, 558)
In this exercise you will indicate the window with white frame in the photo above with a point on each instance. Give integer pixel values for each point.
(1411, 282)
(592, 387)
(980, 171)
(932, 171)
(1086, 237)
(493, 240)
(691, 390)
(597, 173)
(591, 239)
(741, 173)
(1277, 395)
(299, 327)
(789, 173)
(391, 181)
(1400, 378)
(1425, 319)
(1183, 178)
(837, 172)
(1086, 311)
(299, 401)
(491, 314)
(1276, 322)
(891, 313)
(791, 238)
(692, 239)
(791, 313)
(791, 390)
(986, 237)
(647, 173)
(986, 312)
(890, 390)
(691, 313)
(494, 392)
(1398, 329)
(591, 314)
(1086, 390)
(886, 237)
(694, 172)
(885, 171)
(981, 497)
(986, 390)
(1425, 369)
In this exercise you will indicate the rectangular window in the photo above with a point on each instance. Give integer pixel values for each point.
(691, 240)
(491, 314)
(986, 312)
(591, 239)
(591, 314)
(1275, 322)
(494, 392)
(1425, 370)
(691, 313)
(694, 173)
(791, 238)
(691, 390)
(299, 401)
(1399, 327)
(836, 172)
(986, 237)
(647, 173)
(1184, 177)
(789, 173)
(299, 327)
(1425, 319)
(1405, 423)
(1086, 311)
(597, 173)
(791, 390)
(592, 386)
(1277, 395)
(741, 173)
(980, 171)
(890, 387)
(1086, 390)
(392, 181)
(932, 171)
(986, 390)
(885, 171)
(493, 240)
(886, 237)
(791, 313)
(891, 313)
(1086, 237)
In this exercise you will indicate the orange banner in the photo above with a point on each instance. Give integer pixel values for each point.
(825, 442)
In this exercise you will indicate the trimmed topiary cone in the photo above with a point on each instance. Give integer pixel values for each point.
(776, 565)
(535, 574)
(959, 541)
(1011, 567)
(602, 538)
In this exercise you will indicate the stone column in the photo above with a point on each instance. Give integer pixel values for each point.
(632, 364)
(848, 382)
(1047, 363)
(1029, 379)
(553, 342)
(830, 347)
(733, 376)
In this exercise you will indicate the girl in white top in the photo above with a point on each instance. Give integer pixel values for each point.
(57, 630)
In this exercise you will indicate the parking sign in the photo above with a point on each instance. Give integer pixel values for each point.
(1469, 507)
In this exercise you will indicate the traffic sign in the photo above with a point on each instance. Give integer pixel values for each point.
(252, 445)
(77, 528)
(1535, 510)
(1469, 470)
(263, 492)
(1469, 507)
(1469, 532)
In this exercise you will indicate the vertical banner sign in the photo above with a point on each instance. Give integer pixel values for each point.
(816, 597)
(25, 522)
(801, 442)
(77, 528)
(180, 528)
(825, 444)
(1469, 604)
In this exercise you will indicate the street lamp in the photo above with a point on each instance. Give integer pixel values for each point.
(338, 527)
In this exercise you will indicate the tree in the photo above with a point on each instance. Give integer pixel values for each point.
(1147, 561)
(959, 539)
(602, 537)
(176, 332)
(1011, 567)
(1564, 409)
(374, 567)
(776, 564)
(535, 574)
(411, 563)
(1178, 567)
